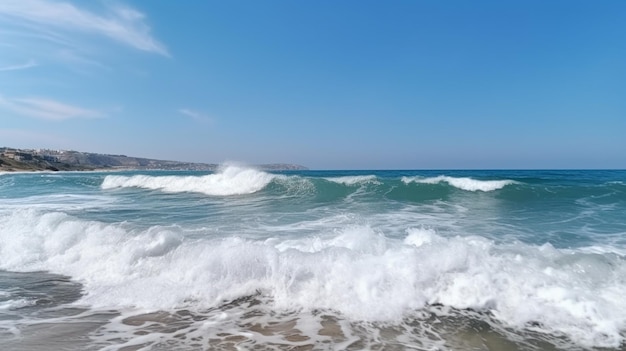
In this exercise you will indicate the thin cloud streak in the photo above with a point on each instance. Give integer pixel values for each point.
(197, 116)
(123, 24)
(76, 62)
(47, 109)
(29, 64)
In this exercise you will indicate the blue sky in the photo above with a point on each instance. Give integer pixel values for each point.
(326, 84)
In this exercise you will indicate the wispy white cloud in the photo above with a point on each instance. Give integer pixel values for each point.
(47, 109)
(122, 24)
(195, 115)
(29, 64)
(79, 63)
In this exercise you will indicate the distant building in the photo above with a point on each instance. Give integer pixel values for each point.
(23, 156)
(9, 154)
(50, 158)
(17, 155)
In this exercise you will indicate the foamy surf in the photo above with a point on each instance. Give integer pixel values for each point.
(354, 180)
(364, 261)
(463, 183)
(231, 180)
(356, 274)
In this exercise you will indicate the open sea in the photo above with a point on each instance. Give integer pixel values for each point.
(242, 259)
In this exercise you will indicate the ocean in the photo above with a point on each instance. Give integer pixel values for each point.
(242, 259)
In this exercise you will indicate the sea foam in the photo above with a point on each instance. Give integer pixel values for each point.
(354, 180)
(357, 271)
(231, 180)
(462, 183)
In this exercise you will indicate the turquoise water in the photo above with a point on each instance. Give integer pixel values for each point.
(323, 260)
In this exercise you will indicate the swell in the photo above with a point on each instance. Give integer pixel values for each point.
(411, 189)
(233, 180)
(603, 193)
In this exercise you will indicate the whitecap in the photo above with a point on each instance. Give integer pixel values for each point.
(232, 180)
(463, 183)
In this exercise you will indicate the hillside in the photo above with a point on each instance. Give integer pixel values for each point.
(55, 160)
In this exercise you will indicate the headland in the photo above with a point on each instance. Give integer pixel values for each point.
(31, 160)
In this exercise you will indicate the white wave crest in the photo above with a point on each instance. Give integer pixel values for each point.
(354, 180)
(463, 183)
(232, 180)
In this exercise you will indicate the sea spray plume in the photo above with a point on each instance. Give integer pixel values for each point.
(229, 180)
(467, 184)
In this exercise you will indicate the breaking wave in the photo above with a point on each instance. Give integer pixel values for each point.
(361, 273)
(231, 180)
(463, 183)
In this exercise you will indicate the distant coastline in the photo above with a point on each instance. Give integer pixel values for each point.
(34, 160)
